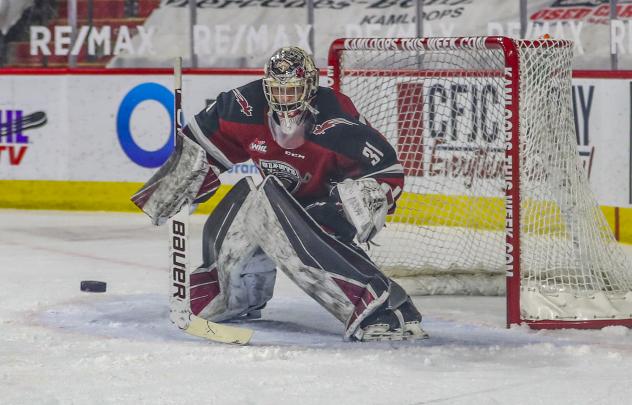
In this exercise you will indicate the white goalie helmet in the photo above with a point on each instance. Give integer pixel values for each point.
(290, 82)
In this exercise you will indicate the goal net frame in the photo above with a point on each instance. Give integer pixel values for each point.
(511, 79)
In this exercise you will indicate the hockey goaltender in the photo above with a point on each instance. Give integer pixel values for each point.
(330, 179)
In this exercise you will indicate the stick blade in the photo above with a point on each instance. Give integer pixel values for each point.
(218, 332)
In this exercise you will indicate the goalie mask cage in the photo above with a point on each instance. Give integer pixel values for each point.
(496, 198)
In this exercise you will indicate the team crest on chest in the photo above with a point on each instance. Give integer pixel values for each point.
(286, 173)
(246, 108)
(321, 128)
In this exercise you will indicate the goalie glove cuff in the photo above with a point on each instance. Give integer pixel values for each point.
(185, 178)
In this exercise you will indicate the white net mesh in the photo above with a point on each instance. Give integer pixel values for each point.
(444, 111)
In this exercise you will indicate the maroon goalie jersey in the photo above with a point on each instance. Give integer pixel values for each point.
(339, 146)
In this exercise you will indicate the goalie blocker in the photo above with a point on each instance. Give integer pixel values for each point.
(248, 236)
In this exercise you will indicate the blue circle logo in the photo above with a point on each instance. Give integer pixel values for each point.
(140, 93)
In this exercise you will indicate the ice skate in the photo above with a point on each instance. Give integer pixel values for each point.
(403, 323)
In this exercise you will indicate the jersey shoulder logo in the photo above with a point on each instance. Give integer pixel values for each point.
(321, 128)
(246, 108)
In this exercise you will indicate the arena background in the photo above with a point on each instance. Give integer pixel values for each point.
(85, 89)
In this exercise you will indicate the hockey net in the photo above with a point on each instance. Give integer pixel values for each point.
(496, 198)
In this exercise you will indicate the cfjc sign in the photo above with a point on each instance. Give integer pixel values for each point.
(139, 94)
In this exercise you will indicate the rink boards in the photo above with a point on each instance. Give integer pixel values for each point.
(103, 134)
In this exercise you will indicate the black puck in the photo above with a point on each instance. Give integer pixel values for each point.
(93, 286)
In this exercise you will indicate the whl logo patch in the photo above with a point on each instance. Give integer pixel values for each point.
(246, 108)
(259, 146)
(321, 128)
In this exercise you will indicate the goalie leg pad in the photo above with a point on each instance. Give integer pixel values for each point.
(236, 276)
(247, 287)
(258, 278)
(342, 280)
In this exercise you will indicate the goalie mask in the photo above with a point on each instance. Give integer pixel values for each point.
(289, 84)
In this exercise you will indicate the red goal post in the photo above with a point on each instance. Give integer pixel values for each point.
(518, 91)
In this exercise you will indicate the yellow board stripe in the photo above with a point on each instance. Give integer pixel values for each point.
(481, 213)
(487, 213)
(79, 195)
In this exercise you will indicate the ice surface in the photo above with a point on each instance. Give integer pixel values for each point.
(59, 345)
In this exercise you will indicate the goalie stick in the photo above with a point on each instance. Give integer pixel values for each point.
(179, 300)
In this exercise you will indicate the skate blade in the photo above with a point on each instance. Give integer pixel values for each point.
(393, 337)
(382, 332)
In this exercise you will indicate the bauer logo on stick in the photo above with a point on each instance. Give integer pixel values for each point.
(179, 260)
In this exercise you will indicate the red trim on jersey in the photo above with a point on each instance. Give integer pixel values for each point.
(347, 105)
(234, 148)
